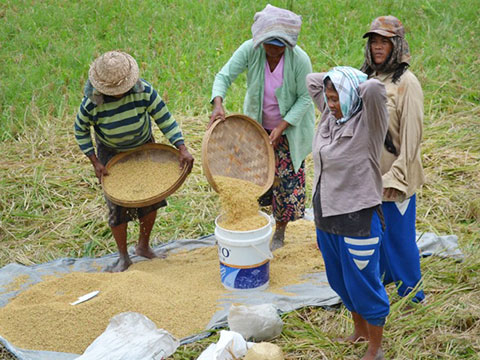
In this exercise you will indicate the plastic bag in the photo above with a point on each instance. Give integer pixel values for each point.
(258, 322)
(264, 351)
(230, 346)
(131, 336)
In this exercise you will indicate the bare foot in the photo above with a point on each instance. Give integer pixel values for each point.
(276, 244)
(353, 339)
(278, 238)
(120, 265)
(377, 356)
(147, 252)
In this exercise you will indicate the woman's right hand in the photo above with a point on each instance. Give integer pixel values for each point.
(218, 112)
(99, 168)
(100, 171)
(391, 194)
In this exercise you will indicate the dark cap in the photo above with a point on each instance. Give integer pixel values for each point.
(388, 26)
(275, 41)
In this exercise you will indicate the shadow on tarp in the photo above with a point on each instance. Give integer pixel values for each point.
(315, 291)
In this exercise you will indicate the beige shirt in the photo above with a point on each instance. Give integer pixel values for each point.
(347, 156)
(405, 108)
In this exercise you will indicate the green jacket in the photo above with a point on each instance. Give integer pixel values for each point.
(295, 104)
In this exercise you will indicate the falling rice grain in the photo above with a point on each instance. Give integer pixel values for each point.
(238, 199)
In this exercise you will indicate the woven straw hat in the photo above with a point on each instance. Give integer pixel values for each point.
(113, 73)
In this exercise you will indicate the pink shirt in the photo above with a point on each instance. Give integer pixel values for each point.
(271, 111)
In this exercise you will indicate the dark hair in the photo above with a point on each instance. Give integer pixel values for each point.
(329, 84)
(399, 72)
(389, 144)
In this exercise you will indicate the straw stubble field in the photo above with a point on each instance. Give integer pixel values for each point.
(51, 205)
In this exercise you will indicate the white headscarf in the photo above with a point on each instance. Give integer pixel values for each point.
(276, 23)
(346, 81)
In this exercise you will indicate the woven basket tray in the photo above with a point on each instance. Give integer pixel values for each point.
(155, 152)
(240, 148)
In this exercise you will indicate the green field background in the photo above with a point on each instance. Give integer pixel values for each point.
(47, 46)
(51, 205)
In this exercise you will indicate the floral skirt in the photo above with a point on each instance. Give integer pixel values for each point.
(288, 200)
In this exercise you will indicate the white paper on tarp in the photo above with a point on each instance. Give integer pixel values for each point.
(131, 336)
(315, 291)
(255, 322)
(230, 346)
(445, 246)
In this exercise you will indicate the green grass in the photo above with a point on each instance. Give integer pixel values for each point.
(51, 205)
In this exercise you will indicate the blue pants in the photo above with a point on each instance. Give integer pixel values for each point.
(399, 255)
(353, 271)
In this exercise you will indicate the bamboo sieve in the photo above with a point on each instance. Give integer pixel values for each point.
(238, 147)
(152, 151)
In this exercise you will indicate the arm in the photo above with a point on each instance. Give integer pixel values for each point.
(83, 122)
(158, 110)
(81, 129)
(410, 114)
(303, 103)
(237, 64)
(169, 127)
(374, 98)
(315, 89)
(218, 112)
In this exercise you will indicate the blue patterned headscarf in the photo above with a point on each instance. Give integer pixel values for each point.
(346, 81)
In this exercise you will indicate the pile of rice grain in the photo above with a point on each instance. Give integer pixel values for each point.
(136, 180)
(238, 199)
(179, 294)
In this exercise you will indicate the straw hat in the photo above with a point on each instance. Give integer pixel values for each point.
(113, 73)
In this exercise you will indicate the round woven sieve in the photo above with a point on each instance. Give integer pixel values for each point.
(238, 147)
(156, 152)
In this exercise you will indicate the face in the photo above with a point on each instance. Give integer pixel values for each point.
(274, 51)
(380, 47)
(333, 103)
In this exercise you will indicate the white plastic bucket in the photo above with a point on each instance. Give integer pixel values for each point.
(244, 256)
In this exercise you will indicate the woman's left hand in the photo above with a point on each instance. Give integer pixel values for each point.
(186, 159)
(276, 133)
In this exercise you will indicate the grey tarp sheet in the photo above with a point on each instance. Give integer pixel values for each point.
(314, 292)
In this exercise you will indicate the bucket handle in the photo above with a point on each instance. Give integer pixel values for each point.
(268, 256)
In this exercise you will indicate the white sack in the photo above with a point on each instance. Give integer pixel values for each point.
(258, 322)
(131, 336)
(230, 346)
(264, 351)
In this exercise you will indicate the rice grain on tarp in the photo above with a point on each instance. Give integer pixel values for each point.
(179, 294)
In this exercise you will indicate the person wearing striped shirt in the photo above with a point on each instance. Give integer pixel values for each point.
(120, 107)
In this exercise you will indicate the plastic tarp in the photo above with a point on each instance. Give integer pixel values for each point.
(315, 291)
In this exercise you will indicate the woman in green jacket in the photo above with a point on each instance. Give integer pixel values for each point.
(277, 97)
